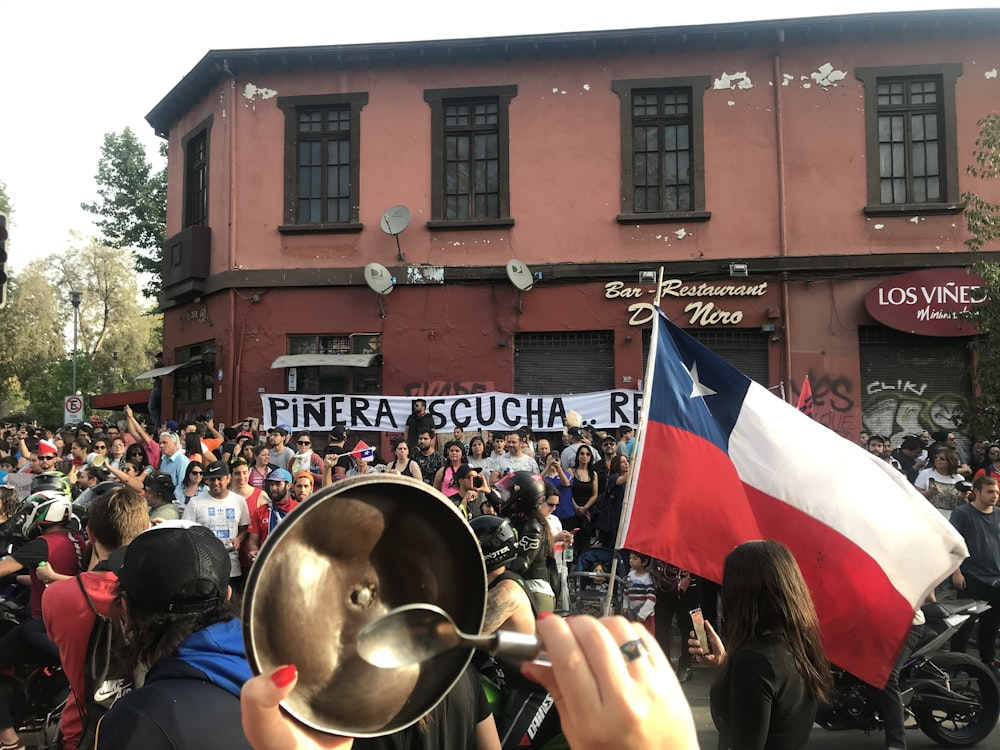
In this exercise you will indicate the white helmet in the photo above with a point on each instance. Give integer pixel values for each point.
(44, 509)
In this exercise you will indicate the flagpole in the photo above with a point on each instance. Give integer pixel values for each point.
(633, 469)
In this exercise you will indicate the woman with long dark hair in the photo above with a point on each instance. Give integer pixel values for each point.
(477, 452)
(444, 479)
(193, 485)
(192, 447)
(136, 453)
(774, 672)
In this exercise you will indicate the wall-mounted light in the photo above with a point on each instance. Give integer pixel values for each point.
(739, 269)
(647, 276)
(628, 339)
(767, 328)
(502, 343)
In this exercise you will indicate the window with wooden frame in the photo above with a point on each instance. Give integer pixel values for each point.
(470, 170)
(195, 147)
(662, 149)
(910, 129)
(194, 381)
(322, 162)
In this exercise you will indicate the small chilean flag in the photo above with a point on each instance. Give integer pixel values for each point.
(363, 451)
(806, 398)
(722, 461)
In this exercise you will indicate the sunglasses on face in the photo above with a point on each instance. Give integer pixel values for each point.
(197, 473)
(100, 447)
(303, 442)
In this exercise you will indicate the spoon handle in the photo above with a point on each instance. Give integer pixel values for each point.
(518, 646)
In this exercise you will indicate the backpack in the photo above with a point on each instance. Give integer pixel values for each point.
(107, 677)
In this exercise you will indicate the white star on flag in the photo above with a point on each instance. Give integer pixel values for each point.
(698, 388)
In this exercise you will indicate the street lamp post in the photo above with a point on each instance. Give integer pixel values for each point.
(75, 298)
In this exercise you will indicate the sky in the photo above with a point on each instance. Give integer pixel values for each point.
(74, 71)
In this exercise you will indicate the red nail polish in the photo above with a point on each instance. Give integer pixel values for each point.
(543, 615)
(283, 676)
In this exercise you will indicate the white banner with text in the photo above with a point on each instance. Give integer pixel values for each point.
(488, 411)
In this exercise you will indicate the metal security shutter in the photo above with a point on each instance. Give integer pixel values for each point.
(564, 362)
(911, 383)
(746, 350)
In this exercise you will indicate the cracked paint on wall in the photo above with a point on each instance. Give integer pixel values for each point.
(733, 81)
(826, 76)
(991, 73)
(251, 92)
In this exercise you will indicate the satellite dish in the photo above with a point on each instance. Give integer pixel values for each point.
(520, 275)
(378, 278)
(393, 222)
(380, 281)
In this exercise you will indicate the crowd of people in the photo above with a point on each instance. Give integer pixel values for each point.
(157, 529)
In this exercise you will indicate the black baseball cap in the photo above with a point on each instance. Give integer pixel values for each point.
(463, 471)
(339, 432)
(161, 483)
(217, 469)
(176, 569)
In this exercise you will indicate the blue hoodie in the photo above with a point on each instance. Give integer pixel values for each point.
(190, 700)
(217, 651)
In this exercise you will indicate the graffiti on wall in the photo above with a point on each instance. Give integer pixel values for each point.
(834, 403)
(898, 408)
(447, 387)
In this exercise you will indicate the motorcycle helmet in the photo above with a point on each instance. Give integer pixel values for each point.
(44, 509)
(51, 481)
(525, 489)
(497, 539)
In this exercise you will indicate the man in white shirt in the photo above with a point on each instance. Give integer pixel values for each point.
(225, 513)
(515, 459)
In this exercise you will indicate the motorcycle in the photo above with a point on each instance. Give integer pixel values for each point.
(36, 695)
(954, 698)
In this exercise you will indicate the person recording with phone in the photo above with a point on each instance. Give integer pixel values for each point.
(473, 491)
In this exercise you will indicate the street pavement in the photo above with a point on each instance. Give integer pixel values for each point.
(697, 694)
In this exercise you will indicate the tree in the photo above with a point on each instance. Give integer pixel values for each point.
(118, 338)
(132, 203)
(112, 322)
(4, 198)
(983, 219)
(32, 328)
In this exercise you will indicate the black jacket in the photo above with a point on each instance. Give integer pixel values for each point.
(189, 702)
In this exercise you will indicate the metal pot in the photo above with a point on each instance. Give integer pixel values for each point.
(344, 557)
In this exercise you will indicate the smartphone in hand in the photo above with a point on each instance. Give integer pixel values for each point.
(698, 620)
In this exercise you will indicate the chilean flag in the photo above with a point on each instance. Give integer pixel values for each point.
(721, 461)
(363, 451)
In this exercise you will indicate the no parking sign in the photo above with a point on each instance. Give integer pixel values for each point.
(72, 409)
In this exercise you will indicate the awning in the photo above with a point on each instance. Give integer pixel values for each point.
(323, 360)
(161, 371)
(138, 400)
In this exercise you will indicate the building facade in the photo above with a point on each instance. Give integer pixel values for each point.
(775, 172)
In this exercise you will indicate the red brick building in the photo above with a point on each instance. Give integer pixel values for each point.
(777, 171)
